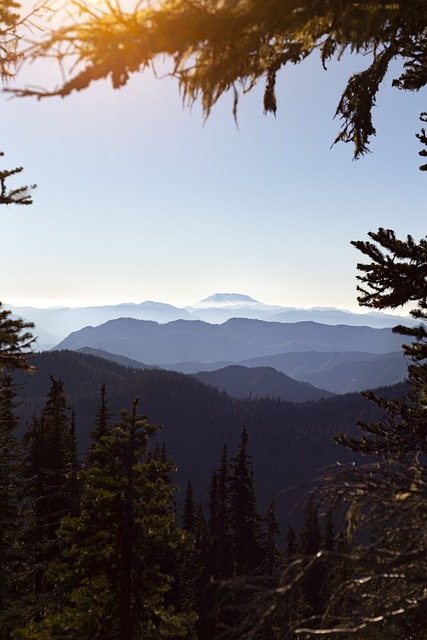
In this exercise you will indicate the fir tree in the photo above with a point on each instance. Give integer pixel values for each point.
(188, 509)
(271, 553)
(19, 195)
(50, 493)
(102, 428)
(221, 551)
(291, 543)
(10, 523)
(15, 341)
(374, 585)
(117, 547)
(309, 543)
(272, 563)
(397, 275)
(245, 521)
(216, 47)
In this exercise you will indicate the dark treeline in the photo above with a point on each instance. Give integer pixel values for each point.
(93, 548)
(289, 442)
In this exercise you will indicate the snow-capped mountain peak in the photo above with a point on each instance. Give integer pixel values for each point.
(226, 299)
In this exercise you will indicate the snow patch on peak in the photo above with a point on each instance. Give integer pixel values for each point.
(226, 299)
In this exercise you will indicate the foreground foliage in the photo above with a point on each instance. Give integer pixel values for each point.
(15, 341)
(216, 46)
(376, 584)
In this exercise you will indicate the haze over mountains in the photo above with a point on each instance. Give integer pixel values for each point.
(246, 347)
(54, 324)
(283, 367)
(235, 340)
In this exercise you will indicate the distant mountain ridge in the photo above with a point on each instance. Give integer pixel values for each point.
(321, 374)
(258, 382)
(227, 299)
(112, 357)
(235, 340)
(54, 324)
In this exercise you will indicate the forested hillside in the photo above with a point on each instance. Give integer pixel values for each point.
(289, 442)
(243, 382)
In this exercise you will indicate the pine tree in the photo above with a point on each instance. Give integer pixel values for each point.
(116, 549)
(216, 555)
(271, 553)
(216, 47)
(235, 536)
(50, 493)
(10, 523)
(375, 580)
(102, 428)
(272, 563)
(245, 521)
(328, 532)
(291, 543)
(309, 543)
(221, 552)
(19, 195)
(188, 509)
(74, 468)
(395, 276)
(15, 341)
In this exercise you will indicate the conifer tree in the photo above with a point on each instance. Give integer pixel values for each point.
(235, 549)
(328, 532)
(291, 542)
(245, 521)
(271, 553)
(102, 428)
(221, 551)
(375, 585)
(19, 195)
(116, 548)
(15, 342)
(74, 468)
(188, 509)
(309, 543)
(50, 493)
(396, 275)
(202, 594)
(272, 562)
(188, 563)
(215, 47)
(10, 523)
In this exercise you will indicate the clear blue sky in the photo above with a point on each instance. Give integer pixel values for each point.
(138, 199)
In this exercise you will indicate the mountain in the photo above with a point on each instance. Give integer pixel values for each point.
(337, 316)
(314, 374)
(54, 324)
(338, 372)
(221, 307)
(289, 443)
(126, 362)
(61, 321)
(226, 299)
(233, 341)
(382, 370)
(243, 382)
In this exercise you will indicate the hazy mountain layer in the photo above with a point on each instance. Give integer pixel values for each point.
(243, 382)
(233, 341)
(338, 372)
(53, 324)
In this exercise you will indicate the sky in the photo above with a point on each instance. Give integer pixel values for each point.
(139, 198)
